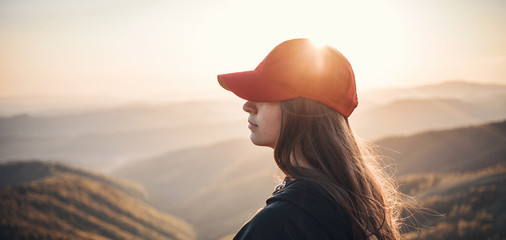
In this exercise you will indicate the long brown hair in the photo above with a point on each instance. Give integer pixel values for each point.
(353, 178)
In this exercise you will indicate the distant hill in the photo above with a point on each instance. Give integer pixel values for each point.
(405, 111)
(455, 89)
(45, 200)
(461, 149)
(230, 180)
(102, 140)
(409, 116)
(120, 119)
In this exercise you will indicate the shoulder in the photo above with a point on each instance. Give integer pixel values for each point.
(301, 210)
(280, 220)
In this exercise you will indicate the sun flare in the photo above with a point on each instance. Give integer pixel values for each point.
(318, 43)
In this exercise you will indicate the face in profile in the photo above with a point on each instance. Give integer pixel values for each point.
(264, 122)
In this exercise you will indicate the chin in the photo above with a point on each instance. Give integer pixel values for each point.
(261, 143)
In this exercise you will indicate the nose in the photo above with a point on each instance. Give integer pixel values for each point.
(249, 107)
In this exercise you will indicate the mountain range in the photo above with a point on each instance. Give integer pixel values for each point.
(452, 150)
(102, 140)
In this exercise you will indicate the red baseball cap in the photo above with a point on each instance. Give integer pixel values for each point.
(297, 68)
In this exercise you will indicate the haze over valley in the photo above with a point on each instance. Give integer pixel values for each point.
(104, 139)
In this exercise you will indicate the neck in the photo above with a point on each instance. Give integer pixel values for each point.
(297, 159)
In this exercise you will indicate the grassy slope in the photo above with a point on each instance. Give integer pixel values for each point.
(66, 205)
(458, 173)
(457, 205)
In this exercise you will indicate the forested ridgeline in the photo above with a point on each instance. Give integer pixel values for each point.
(44, 200)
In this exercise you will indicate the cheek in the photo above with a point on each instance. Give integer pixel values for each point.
(266, 135)
(274, 125)
(270, 124)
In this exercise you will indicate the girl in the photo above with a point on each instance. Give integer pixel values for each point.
(299, 99)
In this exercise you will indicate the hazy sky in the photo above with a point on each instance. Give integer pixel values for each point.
(174, 49)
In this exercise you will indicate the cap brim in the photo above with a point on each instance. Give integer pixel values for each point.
(254, 86)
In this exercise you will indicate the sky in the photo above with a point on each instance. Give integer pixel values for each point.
(166, 50)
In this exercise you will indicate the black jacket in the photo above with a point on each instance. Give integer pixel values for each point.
(301, 210)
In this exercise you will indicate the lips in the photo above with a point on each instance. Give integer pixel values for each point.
(252, 126)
